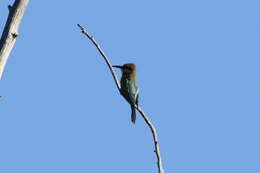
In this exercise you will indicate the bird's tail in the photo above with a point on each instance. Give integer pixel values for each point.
(133, 114)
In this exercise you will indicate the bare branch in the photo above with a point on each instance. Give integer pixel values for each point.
(84, 31)
(155, 140)
(10, 32)
(148, 122)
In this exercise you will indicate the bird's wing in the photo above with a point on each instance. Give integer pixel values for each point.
(137, 99)
(132, 92)
(136, 94)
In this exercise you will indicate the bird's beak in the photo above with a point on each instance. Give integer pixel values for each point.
(118, 66)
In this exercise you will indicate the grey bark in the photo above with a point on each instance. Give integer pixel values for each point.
(10, 32)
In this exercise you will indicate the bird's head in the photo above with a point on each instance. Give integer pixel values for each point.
(128, 69)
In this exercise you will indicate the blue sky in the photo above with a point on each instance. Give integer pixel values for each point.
(198, 68)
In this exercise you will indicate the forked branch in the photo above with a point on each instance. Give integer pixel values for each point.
(148, 122)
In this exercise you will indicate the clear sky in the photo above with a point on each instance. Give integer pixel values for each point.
(198, 68)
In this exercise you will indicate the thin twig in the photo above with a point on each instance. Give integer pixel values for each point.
(148, 122)
(85, 32)
(155, 139)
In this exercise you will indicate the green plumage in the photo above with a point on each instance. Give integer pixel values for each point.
(129, 87)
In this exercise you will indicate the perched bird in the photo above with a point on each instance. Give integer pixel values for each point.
(129, 87)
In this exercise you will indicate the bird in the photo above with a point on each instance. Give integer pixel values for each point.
(129, 87)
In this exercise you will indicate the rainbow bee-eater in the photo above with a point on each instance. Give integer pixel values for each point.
(129, 88)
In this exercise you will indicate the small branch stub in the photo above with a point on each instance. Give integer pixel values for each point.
(9, 8)
(15, 35)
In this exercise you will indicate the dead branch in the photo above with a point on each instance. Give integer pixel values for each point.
(10, 32)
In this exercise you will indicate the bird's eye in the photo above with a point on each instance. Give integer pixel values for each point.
(128, 69)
